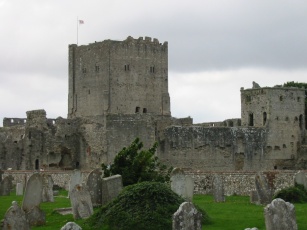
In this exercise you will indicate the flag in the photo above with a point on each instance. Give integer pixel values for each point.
(81, 22)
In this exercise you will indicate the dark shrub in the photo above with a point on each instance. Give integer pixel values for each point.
(296, 194)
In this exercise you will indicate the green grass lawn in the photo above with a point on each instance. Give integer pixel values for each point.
(236, 213)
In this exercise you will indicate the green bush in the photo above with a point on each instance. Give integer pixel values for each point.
(295, 194)
(137, 165)
(142, 206)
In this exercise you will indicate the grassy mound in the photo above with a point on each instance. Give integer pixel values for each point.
(144, 206)
(295, 194)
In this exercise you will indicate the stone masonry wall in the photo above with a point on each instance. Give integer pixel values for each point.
(239, 183)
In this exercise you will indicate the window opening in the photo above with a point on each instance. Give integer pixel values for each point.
(144, 110)
(251, 119)
(301, 121)
(281, 98)
(137, 109)
(264, 118)
(97, 68)
(36, 164)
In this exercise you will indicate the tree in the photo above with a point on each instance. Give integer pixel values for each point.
(137, 165)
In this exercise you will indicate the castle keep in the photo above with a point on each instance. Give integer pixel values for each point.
(118, 90)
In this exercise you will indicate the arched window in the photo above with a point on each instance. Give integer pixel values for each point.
(301, 121)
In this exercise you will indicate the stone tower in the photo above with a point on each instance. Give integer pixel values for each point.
(118, 77)
(280, 111)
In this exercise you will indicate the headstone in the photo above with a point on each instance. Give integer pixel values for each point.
(253, 198)
(94, 185)
(15, 218)
(111, 187)
(75, 178)
(251, 229)
(300, 178)
(218, 188)
(47, 193)
(187, 218)
(6, 186)
(1, 172)
(182, 184)
(280, 215)
(19, 189)
(32, 200)
(81, 203)
(263, 190)
(71, 226)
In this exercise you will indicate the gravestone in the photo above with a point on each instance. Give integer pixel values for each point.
(32, 200)
(187, 218)
(47, 193)
(253, 197)
(19, 189)
(81, 203)
(280, 215)
(71, 226)
(263, 190)
(94, 185)
(15, 218)
(251, 229)
(182, 184)
(75, 178)
(1, 172)
(6, 186)
(300, 178)
(111, 187)
(218, 188)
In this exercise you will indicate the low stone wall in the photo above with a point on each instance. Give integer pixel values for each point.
(240, 183)
(60, 178)
(236, 182)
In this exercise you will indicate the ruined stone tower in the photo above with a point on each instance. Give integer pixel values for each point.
(118, 77)
(280, 111)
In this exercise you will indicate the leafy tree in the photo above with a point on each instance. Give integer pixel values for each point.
(137, 165)
(142, 206)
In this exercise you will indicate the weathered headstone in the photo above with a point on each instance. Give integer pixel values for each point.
(300, 178)
(71, 226)
(81, 203)
(253, 198)
(187, 218)
(32, 200)
(111, 187)
(280, 215)
(47, 193)
(15, 218)
(19, 189)
(263, 190)
(75, 178)
(218, 188)
(182, 184)
(94, 185)
(6, 186)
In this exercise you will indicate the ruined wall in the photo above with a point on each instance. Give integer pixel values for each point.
(118, 77)
(215, 148)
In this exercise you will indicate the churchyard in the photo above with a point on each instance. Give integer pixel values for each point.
(235, 213)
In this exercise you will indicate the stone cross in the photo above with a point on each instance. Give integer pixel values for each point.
(280, 215)
(187, 218)
(47, 194)
(32, 200)
(111, 187)
(94, 185)
(15, 218)
(6, 185)
(300, 178)
(81, 203)
(182, 184)
(218, 188)
(262, 187)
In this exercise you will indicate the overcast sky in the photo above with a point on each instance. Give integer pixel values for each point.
(215, 48)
